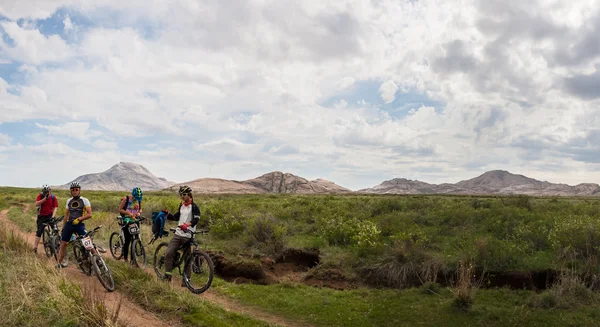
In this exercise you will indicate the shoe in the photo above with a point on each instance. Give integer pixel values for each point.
(167, 278)
(35, 250)
(59, 266)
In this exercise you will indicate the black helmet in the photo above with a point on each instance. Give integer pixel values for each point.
(75, 185)
(45, 188)
(184, 189)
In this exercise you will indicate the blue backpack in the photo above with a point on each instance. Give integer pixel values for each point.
(159, 218)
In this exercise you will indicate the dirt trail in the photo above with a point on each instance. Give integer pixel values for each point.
(130, 314)
(112, 299)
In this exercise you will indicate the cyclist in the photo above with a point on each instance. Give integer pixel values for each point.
(130, 209)
(47, 205)
(78, 210)
(187, 216)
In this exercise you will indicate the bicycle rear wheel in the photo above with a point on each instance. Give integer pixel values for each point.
(47, 241)
(198, 272)
(83, 262)
(116, 248)
(159, 259)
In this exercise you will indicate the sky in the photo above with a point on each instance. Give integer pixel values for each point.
(353, 91)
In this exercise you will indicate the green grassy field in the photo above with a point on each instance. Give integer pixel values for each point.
(387, 247)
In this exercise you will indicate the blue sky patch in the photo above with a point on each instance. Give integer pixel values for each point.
(369, 92)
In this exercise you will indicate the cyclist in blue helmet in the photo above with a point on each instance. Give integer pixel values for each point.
(130, 209)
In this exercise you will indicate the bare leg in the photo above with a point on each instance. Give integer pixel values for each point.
(61, 252)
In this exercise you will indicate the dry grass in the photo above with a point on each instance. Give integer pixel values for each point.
(34, 294)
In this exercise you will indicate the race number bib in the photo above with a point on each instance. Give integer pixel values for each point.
(133, 229)
(87, 243)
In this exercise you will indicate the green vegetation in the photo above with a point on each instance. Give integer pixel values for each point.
(403, 260)
(168, 302)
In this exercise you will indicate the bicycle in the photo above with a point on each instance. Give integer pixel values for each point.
(193, 271)
(51, 237)
(137, 250)
(87, 257)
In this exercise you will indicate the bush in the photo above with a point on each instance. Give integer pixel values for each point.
(579, 235)
(349, 232)
(498, 255)
(519, 201)
(400, 266)
(267, 233)
(569, 291)
(228, 227)
(464, 291)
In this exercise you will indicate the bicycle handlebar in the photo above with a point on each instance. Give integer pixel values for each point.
(189, 231)
(90, 233)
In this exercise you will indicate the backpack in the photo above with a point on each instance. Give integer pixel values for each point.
(159, 218)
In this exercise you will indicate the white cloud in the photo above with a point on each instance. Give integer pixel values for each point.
(215, 73)
(31, 46)
(388, 91)
(105, 145)
(68, 24)
(77, 130)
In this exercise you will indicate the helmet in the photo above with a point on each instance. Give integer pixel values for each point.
(45, 188)
(137, 193)
(184, 189)
(75, 185)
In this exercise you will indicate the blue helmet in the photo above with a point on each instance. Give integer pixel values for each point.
(137, 193)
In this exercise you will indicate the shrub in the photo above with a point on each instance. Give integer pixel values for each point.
(349, 231)
(464, 291)
(266, 232)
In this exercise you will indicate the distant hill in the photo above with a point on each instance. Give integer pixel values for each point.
(120, 177)
(273, 182)
(491, 182)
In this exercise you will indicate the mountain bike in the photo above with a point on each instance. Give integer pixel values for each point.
(198, 269)
(51, 237)
(88, 258)
(136, 251)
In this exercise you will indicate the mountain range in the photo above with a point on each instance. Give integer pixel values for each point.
(126, 175)
(122, 176)
(491, 182)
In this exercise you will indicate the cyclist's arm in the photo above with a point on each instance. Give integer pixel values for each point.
(88, 214)
(122, 210)
(67, 213)
(195, 215)
(40, 201)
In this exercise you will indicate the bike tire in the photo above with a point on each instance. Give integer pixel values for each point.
(103, 273)
(159, 259)
(55, 246)
(46, 241)
(188, 271)
(82, 262)
(138, 254)
(114, 243)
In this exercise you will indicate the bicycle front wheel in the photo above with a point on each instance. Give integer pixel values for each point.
(198, 272)
(138, 254)
(103, 273)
